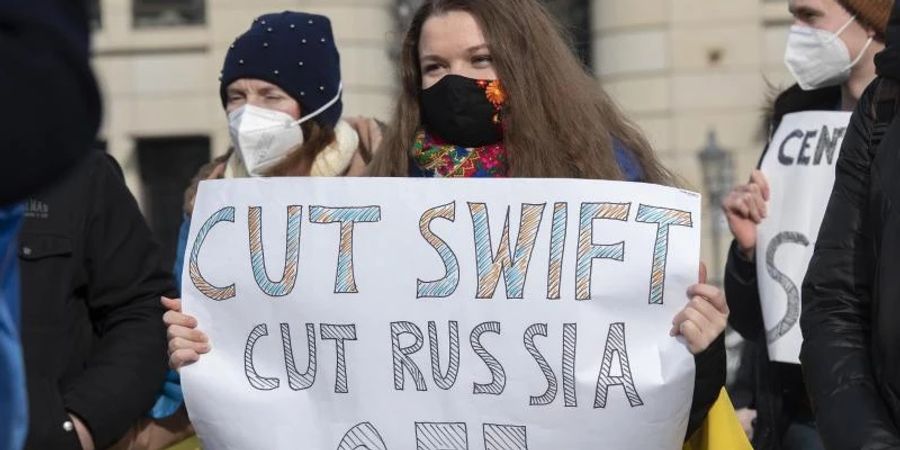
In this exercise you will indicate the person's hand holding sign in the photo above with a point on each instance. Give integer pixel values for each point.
(745, 208)
(705, 316)
(186, 343)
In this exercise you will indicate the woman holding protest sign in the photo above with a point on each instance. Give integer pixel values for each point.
(470, 107)
(491, 89)
(281, 89)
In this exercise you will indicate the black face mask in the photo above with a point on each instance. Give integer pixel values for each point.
(459, 110)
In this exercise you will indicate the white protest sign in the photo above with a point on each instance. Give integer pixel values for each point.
(799, 165)
(440, 314)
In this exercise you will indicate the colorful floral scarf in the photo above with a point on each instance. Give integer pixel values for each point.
(432, 157)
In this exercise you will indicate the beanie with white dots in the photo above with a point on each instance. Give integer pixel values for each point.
(294, 51)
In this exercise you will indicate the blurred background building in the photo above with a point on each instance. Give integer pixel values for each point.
(680, 68)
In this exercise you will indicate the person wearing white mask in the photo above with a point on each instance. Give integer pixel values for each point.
(281, 89)
(830, 52)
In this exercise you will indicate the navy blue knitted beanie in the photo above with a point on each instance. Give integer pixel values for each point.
(294, 51)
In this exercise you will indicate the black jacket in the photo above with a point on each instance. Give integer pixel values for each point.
(779, 394)
(851, 295)
(708, 383)
(92, 330)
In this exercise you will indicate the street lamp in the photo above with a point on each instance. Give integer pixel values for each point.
(718, 179)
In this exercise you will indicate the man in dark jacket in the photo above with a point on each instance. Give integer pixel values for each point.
(851, 294)
(50, 118)
(92, 331)
(784, 417)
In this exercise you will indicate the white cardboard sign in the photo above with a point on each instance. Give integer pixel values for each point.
(799, 165)
(372, 313)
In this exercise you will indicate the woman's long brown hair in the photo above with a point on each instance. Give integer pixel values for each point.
(558, 121)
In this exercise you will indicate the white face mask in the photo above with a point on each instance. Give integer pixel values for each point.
(819, 58)
(264, 137)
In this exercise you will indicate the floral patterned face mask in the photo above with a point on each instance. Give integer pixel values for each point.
(464, 111)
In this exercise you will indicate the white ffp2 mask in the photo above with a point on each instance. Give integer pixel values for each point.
(819, 58)
(264, 137)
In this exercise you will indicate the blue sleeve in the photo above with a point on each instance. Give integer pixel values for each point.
(13, 403)
(171, 397)
(179, 254)
(628, 163)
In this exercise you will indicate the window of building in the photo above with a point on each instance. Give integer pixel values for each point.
(166, 167)
(168, 13)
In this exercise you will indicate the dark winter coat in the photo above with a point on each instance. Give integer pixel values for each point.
(92, 330)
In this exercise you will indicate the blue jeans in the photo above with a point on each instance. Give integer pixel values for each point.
(802, 436)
